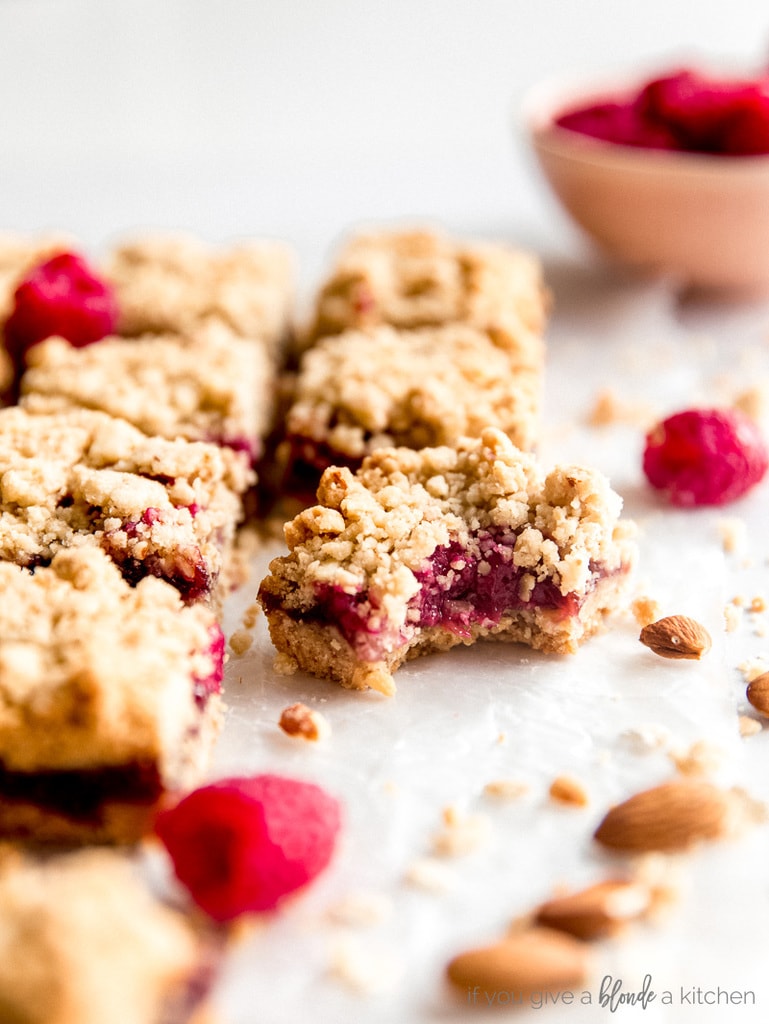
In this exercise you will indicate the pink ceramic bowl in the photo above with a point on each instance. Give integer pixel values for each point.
(702, 219)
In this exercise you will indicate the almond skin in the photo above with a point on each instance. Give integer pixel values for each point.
(758, 693)
(600, 910)
(534, 960)
(676, 636)
(669, 817)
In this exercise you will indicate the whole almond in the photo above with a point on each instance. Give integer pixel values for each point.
(758, 693)
(600, 910)
(676, 636)
(533, 960)
(669, 817)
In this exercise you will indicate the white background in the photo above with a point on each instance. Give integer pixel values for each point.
(299, 117)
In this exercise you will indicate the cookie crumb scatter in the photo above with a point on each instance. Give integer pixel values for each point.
(645, 610)
(430, 874)
(241, 641)
(609, 409)
(644, 739)
(734, 534)
(732, 618)
(701, 758)
(304, 723)
(461, 833)
(361, 910)
(505, 789)
(250, 615)
(757, 605)
(567, 790)
(366, 971)
(753, 402)
(748, 726)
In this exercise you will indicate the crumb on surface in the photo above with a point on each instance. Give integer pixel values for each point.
(732, 617)
(753, 402)
(748, 726)
(430, 874)
(250, 615)
(733, 533)
(241, 641)
(567, 790)
(701, 758)
(304, 723)
(609, 408)
(648, 737)
(361, 909)
(461, 833)
(364, 970)
(645, 610)
(505, 789)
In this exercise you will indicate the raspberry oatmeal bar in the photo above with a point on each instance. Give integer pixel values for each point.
(422, 550)
(173, 283)
(360, 391)
(423, 278)
(212, 386)
(157, 507)
(109, 698)
(85, 942)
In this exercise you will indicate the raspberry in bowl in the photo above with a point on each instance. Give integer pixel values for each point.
(667, 172)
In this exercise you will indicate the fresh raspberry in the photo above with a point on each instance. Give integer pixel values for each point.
(705, 456)
(242, 844)
(60, 297)
(618, 122)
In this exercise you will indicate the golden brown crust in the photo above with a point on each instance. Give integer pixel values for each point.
(86, 479)
(174, 282)
(419, 278)
(361, 391)
(211, 386)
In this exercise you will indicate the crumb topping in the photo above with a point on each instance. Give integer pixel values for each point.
(360, 391)
(84, 478)
(210, 386)
(374, 530)
(423, 278)
(92, 670)
(175, 282)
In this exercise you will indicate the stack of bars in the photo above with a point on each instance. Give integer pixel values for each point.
(143, 401)
(124, 467)
(415, 404)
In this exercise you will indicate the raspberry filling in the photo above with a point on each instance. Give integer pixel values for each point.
(205, 686)
(81, 793)
(63, 297)
(459, 589)
(184, 568)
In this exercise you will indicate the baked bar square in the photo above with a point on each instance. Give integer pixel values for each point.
(211, 386)
(157, 507)
(423, 550)
(360, 391)
(174, 283)
(84, 941)
(109, 699)
(423, 278)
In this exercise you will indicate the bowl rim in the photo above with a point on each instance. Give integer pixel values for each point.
(549, 96)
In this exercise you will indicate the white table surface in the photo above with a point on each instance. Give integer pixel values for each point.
(300, 121)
